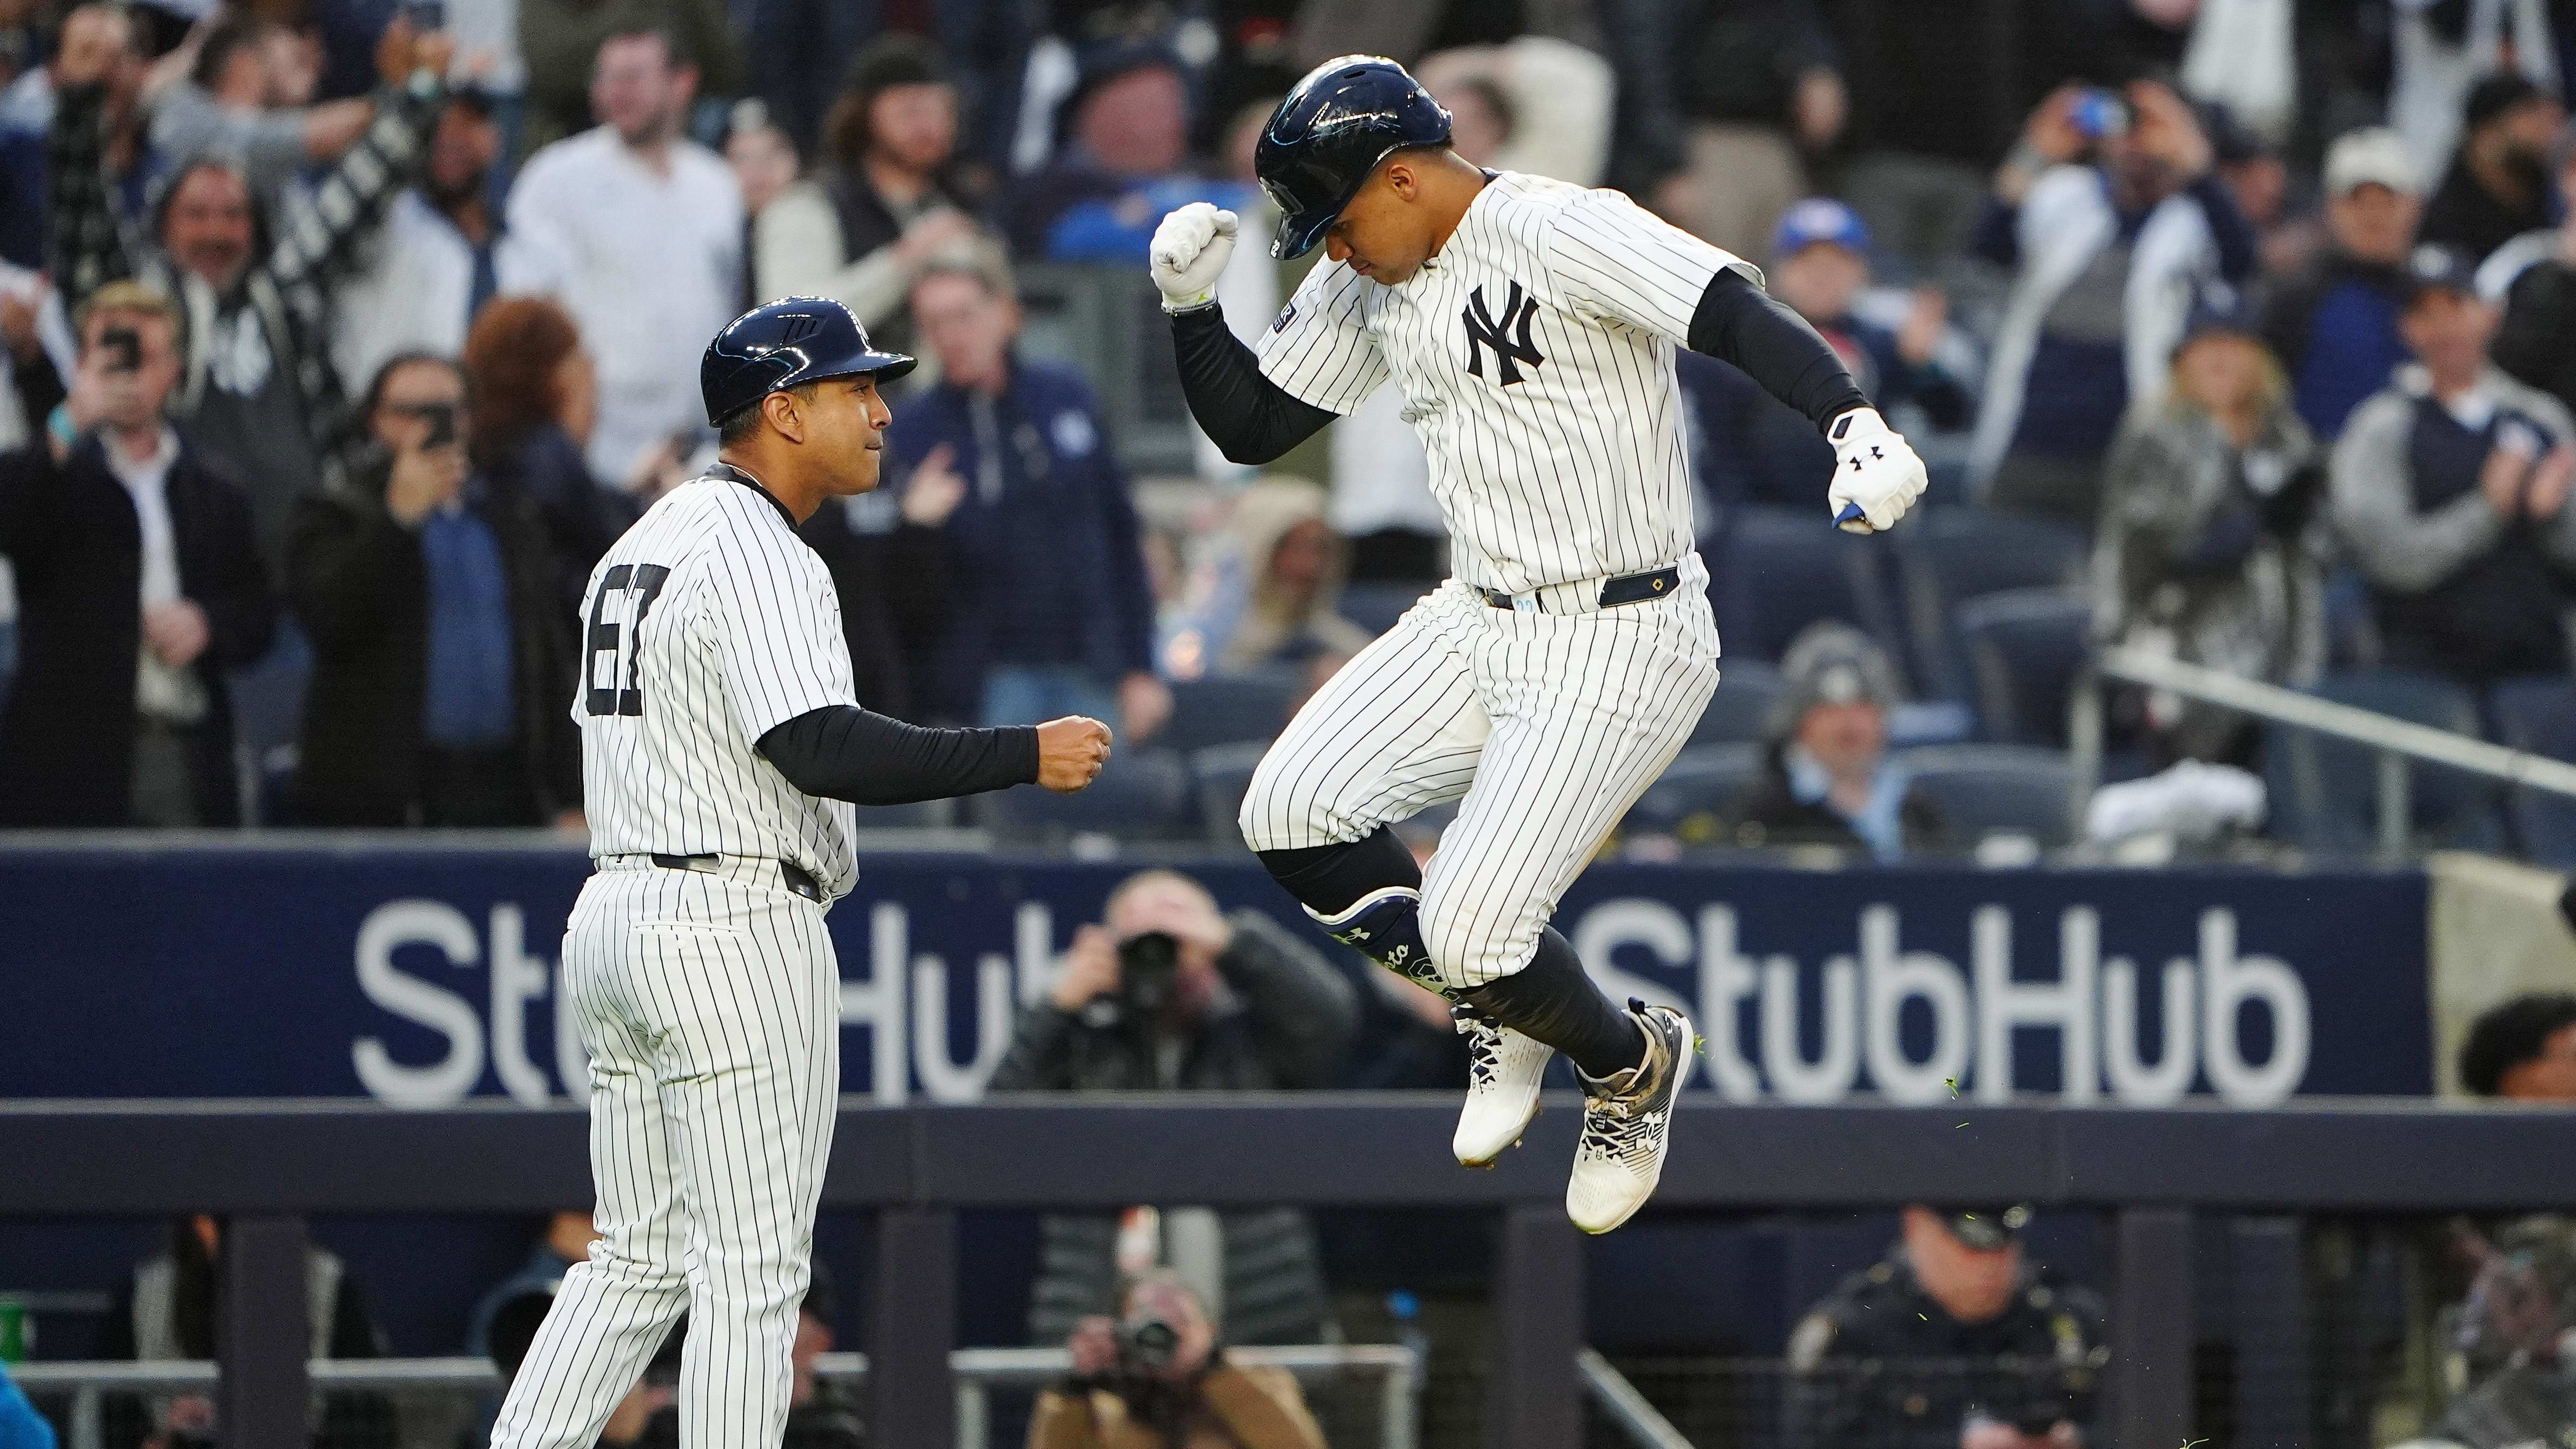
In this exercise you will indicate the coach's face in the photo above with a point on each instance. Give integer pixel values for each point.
(846, 426)
(1387, 231)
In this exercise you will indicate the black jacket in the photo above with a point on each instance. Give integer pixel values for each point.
(892, 578)
(2539, 318)
(69, 529)
(360, 585)
(1770, 813)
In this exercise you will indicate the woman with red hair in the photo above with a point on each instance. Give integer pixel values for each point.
(533, 393)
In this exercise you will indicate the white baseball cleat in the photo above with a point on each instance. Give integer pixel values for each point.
(1627, 1123)
(1503, 1071)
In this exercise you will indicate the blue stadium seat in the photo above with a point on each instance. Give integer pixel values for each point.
(1949, 556)
(2324, 793)
(1693, 797)
(2539, 715)
(1225, 709)
(1142, 795)
(1219, 775)
(1777, 570)
(1736, 714)
(1985, 789)
(2025, 648)
(1376, 607)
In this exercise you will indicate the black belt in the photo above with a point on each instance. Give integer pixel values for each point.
(797, 877)
(1625, 589)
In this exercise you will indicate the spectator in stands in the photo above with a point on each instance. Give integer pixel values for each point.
(1827, 779)
(97, 40)
(765, 164)
(891, 197)
(1827, 774)
(1271, 602)
(2106, 253)
(139, 583)
(1730, 99)
(2504, 1340)
(1124, 166)
(258, 390)
(561, 41)
(532, 394)
(248, 93)
(2205, 542)
(888, 552)
(439, 652)
(2523, 1050)
(2540, 302)
(1155, 1377)
(1169, 994)
(637, 231)
(1534, 103)
(2498, 186)
(424, 277)
(2450, 490)
(2334, 325)
(2014, 1353)
(166, 1309)
(1059, 618)
(1899, 347)
(21, 1427)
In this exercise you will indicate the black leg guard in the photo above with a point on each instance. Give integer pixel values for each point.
(1330, 879)
(1552, 1001)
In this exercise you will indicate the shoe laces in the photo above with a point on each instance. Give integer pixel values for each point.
(1484, 1044)
(1622, 1125)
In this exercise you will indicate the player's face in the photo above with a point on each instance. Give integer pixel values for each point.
(1382, 234)
(847, 422)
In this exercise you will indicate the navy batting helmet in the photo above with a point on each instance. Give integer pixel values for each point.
(783, 344)
(1346, 116)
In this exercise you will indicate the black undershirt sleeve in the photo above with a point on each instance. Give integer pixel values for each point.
(1250, 418)
(1740, 323)
(843, 752)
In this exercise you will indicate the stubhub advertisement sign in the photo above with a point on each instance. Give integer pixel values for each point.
(424, 974)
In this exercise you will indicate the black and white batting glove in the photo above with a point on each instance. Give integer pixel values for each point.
(1876, 475)
(1189, 253)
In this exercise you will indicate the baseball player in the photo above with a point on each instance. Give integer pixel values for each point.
(1530, 326)
(721, 749)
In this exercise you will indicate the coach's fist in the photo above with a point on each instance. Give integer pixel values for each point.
(1190, 250)
(1876, 475)
(1071, 751)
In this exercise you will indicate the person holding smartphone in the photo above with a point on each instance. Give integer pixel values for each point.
(139, 583)
(440, 643)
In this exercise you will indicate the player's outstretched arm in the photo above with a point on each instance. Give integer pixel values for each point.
(1071, 751)
(1250, 418)
(843, 752)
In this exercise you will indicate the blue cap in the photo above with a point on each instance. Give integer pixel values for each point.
(2434, 267)
(784, 344)
(1819, 219)
(2218, 307)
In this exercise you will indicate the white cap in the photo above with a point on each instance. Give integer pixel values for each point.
(2374, 155)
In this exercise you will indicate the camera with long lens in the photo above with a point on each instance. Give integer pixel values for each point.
(1149, 972)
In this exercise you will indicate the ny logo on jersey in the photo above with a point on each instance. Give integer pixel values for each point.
(1486, 330)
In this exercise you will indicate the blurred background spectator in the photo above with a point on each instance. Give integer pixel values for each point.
(561, 41)
(2498, 186)
(1270, 602)
(2450, 491)
(889, 555)
(889, 195)
(1168, 994)
(21, 1427)
(2205, 551)
(1952, 1341)
(418, 282)
(1826, 776)
(138, 580)
(97, 44)
(1122, 166)
(532, 396)
(2523, 1050)
(2540, 297)
(1060, 618)
(439, 636)
(1154, 1376)
(248, 93)
(627, 212)
(2333, 325)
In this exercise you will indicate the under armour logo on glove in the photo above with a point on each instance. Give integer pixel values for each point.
(1877, 476)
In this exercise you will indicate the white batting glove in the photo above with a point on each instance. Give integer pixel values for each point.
(1876, 475)
(1190, 250)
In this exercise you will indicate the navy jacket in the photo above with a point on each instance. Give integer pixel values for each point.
(1043, 555)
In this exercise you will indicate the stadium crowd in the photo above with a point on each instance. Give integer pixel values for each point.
(344, 334)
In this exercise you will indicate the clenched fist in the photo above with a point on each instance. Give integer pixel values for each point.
(1876, 475)
(1189, 252)
(1071, 751)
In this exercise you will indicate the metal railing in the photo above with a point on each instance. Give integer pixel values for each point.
(978, 1371)
(1643, 1423)
(2397, 742)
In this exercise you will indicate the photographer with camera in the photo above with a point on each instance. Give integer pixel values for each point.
(1954, 1340)
(1154, 1377)
(1169, 994)
(440, 652)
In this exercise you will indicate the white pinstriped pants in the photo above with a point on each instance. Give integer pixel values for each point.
(710, 1004)
(1550, 726)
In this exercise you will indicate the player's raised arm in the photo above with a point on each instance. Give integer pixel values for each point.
(1250, 418)
(1618, 260)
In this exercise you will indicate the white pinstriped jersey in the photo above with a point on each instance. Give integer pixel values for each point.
(707, 624)
(1535, 354)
